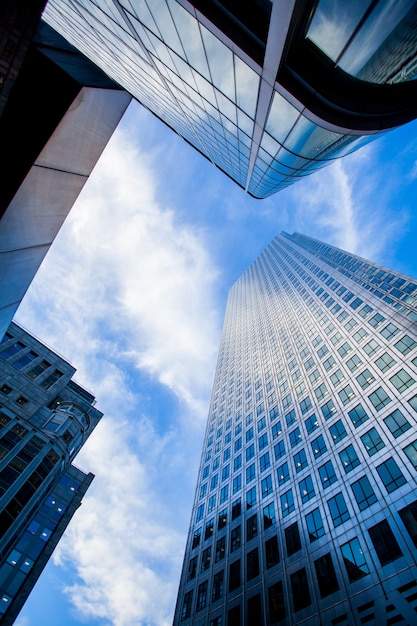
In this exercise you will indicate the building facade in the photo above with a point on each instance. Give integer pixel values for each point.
(267, 91)
(305, 509)
(45, 418)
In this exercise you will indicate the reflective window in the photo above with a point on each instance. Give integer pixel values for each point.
(354, 560)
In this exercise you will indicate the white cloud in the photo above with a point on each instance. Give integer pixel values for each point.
(128, 294)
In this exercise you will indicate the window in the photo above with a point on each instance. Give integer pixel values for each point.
(51, 379)
(379, 399)
(358, 415)
(251, 498)
(321, 392)
(192, 568)
(336, 338)
(376, 320)
(12, 349)
(300, 460)
(249, 434)
(266, 486)
(250, 452)
(338, 509)
(235, 539)
(349, 459)
(405, 345)
(411, 452)
(234, 577)
(220, 549)
(205, 559)
(38, 369)
(196, 539)
(292, 539)
(276, 430)
(279, 450)
(251, 527)
(237, 463)
(409, 518)
(252, 563)
(236, 509)
(290, 417)
(360, 335)
(385, 543)
(402, 380)
(389, 331)
(397, 423)
(322, 352)
(372, 441)
(365, 379)
(354, 362)
(354, 560)
(337, 378)
(391, 475)
(346, 394)
(371, 347)
(202, 596)
(269, 515)
(365, 311)
(363, 492)
(327, 474)
(276, 603)
(318, 446)
(200, 513)
(328, 409)
(218, 586)
(305, 405)
(315, 526)
(25, 359)
(306, 489)
(344, 349)
(209, 530)
(326, 575)
(263, 441)
(225, 472)
(224, 493)
(295, 437)
(237, 483)
(338, 431)
(186, 606)
(311, 424)
(271, 552)
(287, 503)
(264, 462)
(283, 473)
(299, 590)
(385, 362)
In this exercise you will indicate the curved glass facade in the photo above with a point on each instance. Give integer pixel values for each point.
(231, 85)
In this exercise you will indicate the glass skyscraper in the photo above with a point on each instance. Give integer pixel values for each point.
(45, 419)
(267, 91)
(305, 509)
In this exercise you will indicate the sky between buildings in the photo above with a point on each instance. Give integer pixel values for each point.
(133, 294)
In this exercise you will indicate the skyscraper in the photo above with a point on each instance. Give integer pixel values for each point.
(45, 419)
(305, 510)
(268, 91)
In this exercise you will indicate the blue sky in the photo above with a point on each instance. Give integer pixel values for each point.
(133, 294)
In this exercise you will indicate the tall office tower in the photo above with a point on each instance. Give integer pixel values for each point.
(45, 419)
(305, 509)
(268, 91)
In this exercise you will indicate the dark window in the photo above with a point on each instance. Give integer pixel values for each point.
(12, 349)
(186, 606)
(306, 489)
(218, 586)
(409, 518)
(255, 610)
(220, 549)
(385, 543)
(363, 492)
(25, 359)
(287, 503)
(279, 450)
(209, 530)
(311, 424)
(202, 596)
(206, 559)
(292, 539)
(196, 538)
(192, 568)
(315, 526)
(354, 560)
(269, 515)
(391, 475)
(235, 539)
(236, 509)
(326, 575)
(251, 527)
(338, 509)
(276, 603)
(222, 520)
(252, 562)
(271, 552)
(299, 590)
(234, 575)
(251, 498)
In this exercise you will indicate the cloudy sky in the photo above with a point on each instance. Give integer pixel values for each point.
(133, 293)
